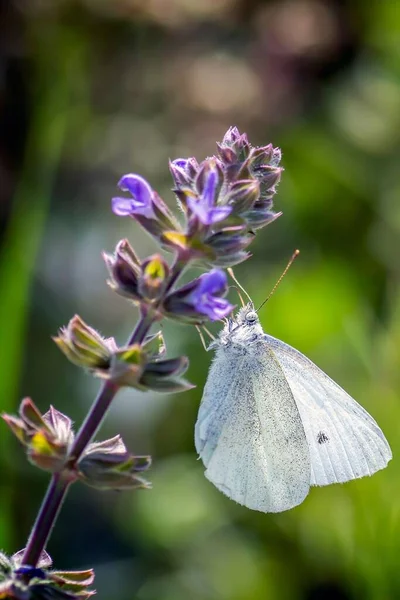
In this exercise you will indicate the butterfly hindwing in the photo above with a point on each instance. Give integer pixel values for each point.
(344, 441)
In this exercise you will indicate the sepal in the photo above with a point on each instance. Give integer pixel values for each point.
(109, 466)
(164, 376)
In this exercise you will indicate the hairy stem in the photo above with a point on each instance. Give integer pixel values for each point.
(58, 486)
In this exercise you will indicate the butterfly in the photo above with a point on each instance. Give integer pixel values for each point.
(271, 423)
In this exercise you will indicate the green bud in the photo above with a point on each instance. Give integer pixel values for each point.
(154, 278)
(84, 346)
(109, 466)
(47, 438)
(127, 366)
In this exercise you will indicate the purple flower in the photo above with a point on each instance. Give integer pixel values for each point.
(200, 299)
(204, 207)
(206, 297)
(140, 203)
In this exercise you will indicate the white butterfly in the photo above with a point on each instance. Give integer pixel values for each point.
(271, 423)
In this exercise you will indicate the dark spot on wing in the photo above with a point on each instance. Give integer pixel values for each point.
(322, 438)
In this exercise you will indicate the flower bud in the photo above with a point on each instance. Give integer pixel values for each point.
(154, 277)
(234, 147)
(47, 438)
(109, 466)
(184, 172)
(127, 366)
(229, 245)
(242, 195)
(124, 269)
(84, 346)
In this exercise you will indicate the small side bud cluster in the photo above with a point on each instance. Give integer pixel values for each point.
(48, 440)
(140, 366)
(25, 582)
(140, 281)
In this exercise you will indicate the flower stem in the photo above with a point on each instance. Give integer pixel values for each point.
(58, 486)
(45, 520)
(177, 269)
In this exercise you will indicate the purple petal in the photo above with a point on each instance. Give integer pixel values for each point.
(138, 187)
(208, 196)
(214, 308)
(180, 162)
(221, 308)
(200, 210)
(121, 206)
(214, 282)
(140, 203)
(219, 213)
(206, 215)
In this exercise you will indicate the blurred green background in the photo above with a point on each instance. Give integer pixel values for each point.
(93, 89)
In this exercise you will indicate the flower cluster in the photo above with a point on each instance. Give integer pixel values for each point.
(223, 202)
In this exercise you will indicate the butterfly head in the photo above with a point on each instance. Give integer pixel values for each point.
(247, 316)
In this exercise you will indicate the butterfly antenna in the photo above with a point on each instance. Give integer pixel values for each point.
(203, 341)
(231, 273)
(292, 259)
(238, 293)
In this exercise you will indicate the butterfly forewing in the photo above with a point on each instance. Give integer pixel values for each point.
(344, 441)
(249, 432)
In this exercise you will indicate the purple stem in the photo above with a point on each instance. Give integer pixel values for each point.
(58, 485)
(46, 519)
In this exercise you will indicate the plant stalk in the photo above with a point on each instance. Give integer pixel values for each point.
(59, 485)
(46, 519)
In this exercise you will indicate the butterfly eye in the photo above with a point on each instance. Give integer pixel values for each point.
(251, 317)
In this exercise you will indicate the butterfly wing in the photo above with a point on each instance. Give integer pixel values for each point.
(344, 441)
(250, 436)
